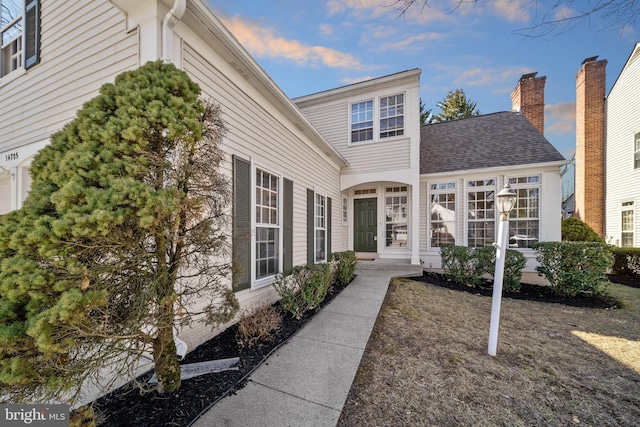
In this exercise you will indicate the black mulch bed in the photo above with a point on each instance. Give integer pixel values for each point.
(527, 292)
(127, 407)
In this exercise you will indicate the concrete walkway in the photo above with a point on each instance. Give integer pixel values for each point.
(306, 381)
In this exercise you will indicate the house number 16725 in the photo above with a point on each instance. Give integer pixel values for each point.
(11, 156)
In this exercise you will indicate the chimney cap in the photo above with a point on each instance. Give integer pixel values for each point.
(590, 59)
(528, 76)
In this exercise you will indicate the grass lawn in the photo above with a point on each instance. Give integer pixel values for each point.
(426, 363)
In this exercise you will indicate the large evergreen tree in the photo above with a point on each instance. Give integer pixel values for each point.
(123, 235)
(455, 106)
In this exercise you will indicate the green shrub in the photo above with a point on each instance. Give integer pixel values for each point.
(460, 264)
(626, 262)
(303, 288)
(574, 267)
(574, 230)
(513, 266)
(345, 266)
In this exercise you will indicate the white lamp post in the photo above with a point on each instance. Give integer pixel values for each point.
(506, 199)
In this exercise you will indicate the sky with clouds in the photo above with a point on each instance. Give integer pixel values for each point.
(482, 47)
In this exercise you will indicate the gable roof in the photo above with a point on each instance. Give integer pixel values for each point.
(491, 140)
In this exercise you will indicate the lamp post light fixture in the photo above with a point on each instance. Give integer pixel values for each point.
(506, 200)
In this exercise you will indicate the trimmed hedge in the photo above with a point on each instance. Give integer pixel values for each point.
(574, 267)
(626, 262)
(345, 266)
(468, 265)
(304, 287)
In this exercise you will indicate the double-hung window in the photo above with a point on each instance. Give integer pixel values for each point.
(626, 231)
(377, 119)
(362, 121)
(443, 214)
(396, 217)
(524, 220)
(19, 34)
(267, 224)
(481, 213)
(321, 228)
(636, 151)
(391, 116)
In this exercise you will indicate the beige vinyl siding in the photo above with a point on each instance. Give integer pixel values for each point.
(623, 122)
(257, 135)
(83, 45)
(332, 120)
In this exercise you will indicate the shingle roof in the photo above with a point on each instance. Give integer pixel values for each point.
(490, 140)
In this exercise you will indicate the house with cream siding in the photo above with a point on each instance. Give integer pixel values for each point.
(622, 156)
(345, 169)
(67, 50)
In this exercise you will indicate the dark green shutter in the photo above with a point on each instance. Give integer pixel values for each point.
(241, 223)
(287, 219)
(311, 238)
(328, 219)
(32, 33)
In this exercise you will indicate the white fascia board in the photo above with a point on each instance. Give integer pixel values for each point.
(502, 169)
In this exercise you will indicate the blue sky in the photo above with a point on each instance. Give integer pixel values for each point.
(307, 46)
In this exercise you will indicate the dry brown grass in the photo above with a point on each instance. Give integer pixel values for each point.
(426, 363)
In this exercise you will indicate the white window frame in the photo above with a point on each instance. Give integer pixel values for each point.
(259, 281)
(520, 184)
(19, 40)
(442, 189)
(345, 210)
(361, 122)
(397, 193)
(320, 227)
(377, 118)
(467, 211)
(392, 112)
(636, 150)
(626, 207)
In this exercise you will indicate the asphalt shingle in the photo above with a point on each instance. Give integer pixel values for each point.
(490, 140)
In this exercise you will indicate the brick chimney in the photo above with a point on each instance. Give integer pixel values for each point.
(528, 98)
(590, 116)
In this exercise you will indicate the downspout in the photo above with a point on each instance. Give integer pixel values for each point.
(170, 20)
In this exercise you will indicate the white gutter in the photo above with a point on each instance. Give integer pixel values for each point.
(168, 23)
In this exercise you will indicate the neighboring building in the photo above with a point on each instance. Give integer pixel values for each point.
(348, 168)
(590, 125)
(622, 156)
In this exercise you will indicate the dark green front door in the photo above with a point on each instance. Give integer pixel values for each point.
(365, 225)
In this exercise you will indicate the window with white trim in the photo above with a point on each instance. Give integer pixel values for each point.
(481, 213)
(19, 34)
(442, 220)
(626, 231)
(267, 224)
(321, 228)
(524, 219)
(396, 215)
(362, 121)
(636, 151)
(391, 116)
(345, 211)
